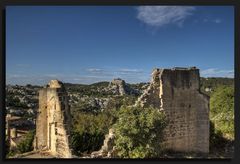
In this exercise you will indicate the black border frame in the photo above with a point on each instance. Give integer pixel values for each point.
(121, 3)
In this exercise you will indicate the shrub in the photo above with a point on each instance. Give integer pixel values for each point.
(89, 130)
(222, 110)
(26, 145)
(217, 141)
(139, 132)
(86, 142)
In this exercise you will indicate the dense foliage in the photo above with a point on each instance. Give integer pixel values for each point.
(95, 89)
(217, 141)
(213, 83)
(26, 145)
(11, 100)
(89, 130)
(222, 110)
(139, 132)
(86, 142)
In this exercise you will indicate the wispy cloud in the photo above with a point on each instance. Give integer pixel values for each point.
(23, 65)
(158, 16)
(216, 20)
(214, 72)
(88, 76)
(97, 72)
(94, 70)
(16, 76)
(129, 71)
(52, 75)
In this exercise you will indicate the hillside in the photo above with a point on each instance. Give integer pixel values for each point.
(94, 109)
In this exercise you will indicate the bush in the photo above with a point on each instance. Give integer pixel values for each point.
(27, 144)
(222, 110)
(217, 141)
(89, 130)
(139, 132)
(86, 142)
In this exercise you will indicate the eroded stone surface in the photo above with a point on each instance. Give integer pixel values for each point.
(177, 92)
(108, 149)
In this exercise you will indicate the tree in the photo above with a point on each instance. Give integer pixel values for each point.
(139, 132)
(89, 130)
(222, 110)
(27, 144)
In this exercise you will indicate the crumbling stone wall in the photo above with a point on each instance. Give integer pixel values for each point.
(53, 121)
(177, 93)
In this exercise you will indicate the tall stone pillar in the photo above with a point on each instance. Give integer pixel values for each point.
(53, 121)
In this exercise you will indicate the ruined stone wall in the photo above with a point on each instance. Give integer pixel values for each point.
(41, 121)
(176, 92)
(53, 121)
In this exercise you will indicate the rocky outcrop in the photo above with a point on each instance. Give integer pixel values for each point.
(119, 87)
(108, 149)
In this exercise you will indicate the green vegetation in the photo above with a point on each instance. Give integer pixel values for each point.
(213, 83)
(139, 132)
(217, 141)
(95, 90)
(89, 130)
(14, 101)
(26, 145)
(222, 110)
(118, 101)
(85, 142)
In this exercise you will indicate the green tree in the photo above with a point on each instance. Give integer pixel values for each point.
(139, 132)
(26, 145)
(222, 110)
(89, 130)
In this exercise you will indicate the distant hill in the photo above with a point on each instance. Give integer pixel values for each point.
(208, 85)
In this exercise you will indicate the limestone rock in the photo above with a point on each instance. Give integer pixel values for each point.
(119, 87)
(53, 121)
(108, 150)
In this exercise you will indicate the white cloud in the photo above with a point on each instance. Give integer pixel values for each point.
(213, 72)
(158, 16)
(16, 76)
(126, 70)
(94, 70)
(217, 20)
(52, 75)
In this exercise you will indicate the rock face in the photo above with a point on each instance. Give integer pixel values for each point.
(53, 121)
(177, 92)
(119, 86)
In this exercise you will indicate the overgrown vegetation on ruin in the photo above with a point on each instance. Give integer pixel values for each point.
(89, 130)
(139, 132)
(222, 110)
(90, 123)
(25, 145)
(222, 120)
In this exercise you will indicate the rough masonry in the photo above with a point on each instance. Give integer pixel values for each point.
(53, 121)
(177, 92)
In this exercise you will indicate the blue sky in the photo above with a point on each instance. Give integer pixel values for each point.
(87, 44)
